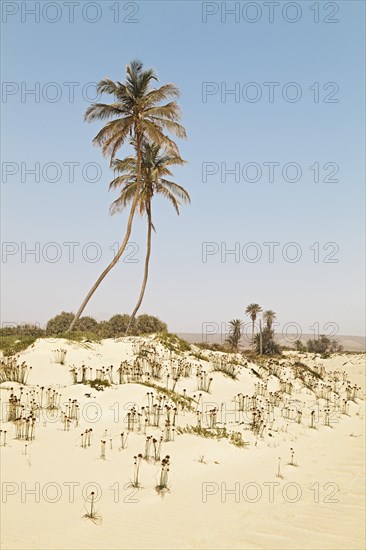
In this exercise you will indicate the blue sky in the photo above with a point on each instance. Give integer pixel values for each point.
(224, 130)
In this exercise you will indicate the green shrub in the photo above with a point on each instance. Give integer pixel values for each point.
(22, 330)
(299, 346)
(269, 344)
(78, 336)
(173, 342)
(116, 326)
(148, 324)
(225, 348)
(214, 433)
(10, 345)
(60, 323)
(199, 356)
(98, 385)
(87, 324)
(323, 345)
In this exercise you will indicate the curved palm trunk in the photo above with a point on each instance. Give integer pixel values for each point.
(146, 270)
(124, 243)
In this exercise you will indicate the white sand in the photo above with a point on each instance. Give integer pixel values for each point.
(327, 483)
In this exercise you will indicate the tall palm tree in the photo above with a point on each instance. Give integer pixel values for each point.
(235, 333)
(252, 311)
(155, 169)
(135, 113)
(268, 317)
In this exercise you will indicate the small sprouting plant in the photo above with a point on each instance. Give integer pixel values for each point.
(136, 479)
(162, 487)
(279, 468)
(59, 356)
(147, 447)
(312, 419)
(203, 382)
(3, 433)
(292, 458)
(157, 447)
(230, 368)
(91, 513)
(102, 449)
(10, 371)
(123, 440)
(86, 438)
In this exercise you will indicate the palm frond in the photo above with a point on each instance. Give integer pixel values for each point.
(107, 86)
(161, 190)
(174, 127)
(169, 111)
(155, 134)
(177, 190)
(126, 196)
(161, 94)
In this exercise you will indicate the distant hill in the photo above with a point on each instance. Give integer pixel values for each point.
(349, 343)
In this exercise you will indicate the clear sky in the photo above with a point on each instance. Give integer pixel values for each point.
(311, 116)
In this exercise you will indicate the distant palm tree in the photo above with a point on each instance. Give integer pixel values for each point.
(136, 113)
(155, 169)
(235, 333)
(268, 317)
(252, 311)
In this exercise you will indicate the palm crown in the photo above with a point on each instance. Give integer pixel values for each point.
(269, 316)
(136, 111)
(252, 310)
(155, 171)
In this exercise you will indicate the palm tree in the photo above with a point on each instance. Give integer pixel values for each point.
(155, 168)
(252, 311)
(265, 341)
(268, 317)
(235, 332)
(136, 113)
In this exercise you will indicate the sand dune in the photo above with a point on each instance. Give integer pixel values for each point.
(219, 495)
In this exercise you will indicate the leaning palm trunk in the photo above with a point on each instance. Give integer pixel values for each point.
(124, 243)
(146, 271)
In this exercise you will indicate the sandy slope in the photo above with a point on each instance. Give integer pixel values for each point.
(319, 503)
